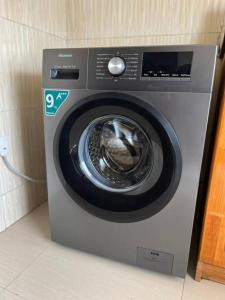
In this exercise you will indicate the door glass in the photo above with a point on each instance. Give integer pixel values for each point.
(121, 145)
(115, 153)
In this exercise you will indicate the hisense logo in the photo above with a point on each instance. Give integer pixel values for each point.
(64, 55)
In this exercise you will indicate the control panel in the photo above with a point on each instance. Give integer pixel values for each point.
(116, 65)
(159, 68)
(121, 65)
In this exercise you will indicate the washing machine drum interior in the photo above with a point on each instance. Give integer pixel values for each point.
(117, 155)
(119, 162)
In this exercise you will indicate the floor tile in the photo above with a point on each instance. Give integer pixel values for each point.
(15, 256)
(33, 228)
(63, 274)
(204, 290)
(5, 295)
(21, 244)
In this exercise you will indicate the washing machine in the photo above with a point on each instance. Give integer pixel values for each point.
(125, 131)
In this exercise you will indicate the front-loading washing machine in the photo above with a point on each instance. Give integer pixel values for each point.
(125, 130)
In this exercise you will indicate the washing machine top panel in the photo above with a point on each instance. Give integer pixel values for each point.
(160, 68)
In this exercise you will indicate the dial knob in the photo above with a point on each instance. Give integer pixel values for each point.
(116, 66)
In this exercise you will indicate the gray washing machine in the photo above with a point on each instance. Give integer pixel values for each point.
(125, 130)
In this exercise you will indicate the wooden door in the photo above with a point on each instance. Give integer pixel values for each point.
(211, 263)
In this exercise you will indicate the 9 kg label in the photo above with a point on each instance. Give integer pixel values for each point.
(53, 99)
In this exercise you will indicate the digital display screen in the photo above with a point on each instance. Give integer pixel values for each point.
(167, 65)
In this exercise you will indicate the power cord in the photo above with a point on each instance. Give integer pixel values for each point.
(4, 153)
(17, 173)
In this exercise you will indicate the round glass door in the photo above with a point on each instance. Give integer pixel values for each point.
(115, 153)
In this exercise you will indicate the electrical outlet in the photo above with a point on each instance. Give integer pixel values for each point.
(3, 145)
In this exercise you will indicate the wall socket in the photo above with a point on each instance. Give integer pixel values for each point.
(4, 142)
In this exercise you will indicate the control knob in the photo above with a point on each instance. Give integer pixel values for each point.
(116, 66)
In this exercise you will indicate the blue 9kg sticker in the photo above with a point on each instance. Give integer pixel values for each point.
(53, 100)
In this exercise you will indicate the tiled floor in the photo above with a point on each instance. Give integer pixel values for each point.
(33, 267)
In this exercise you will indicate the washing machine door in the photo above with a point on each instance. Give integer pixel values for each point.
(119, 157)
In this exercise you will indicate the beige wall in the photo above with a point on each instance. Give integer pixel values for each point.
(143, 22)
(28, 26)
